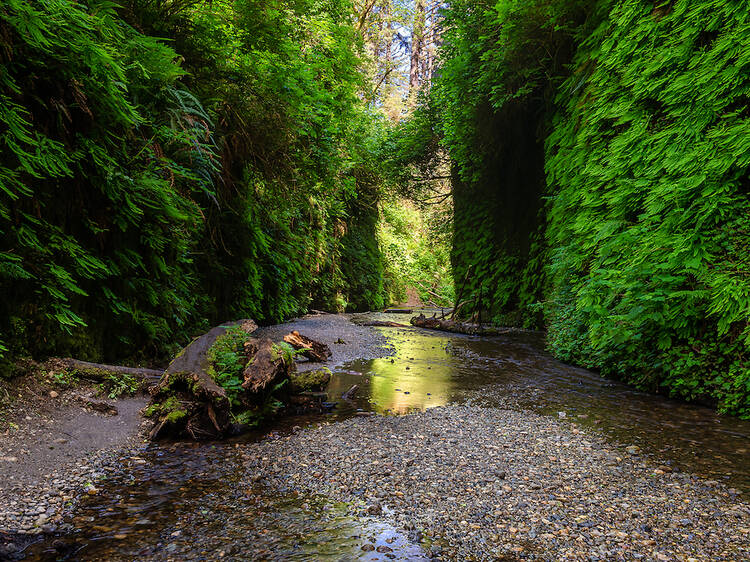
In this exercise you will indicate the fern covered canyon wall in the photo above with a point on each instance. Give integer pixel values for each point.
(601, 161)
(169, 165)
(152, 187)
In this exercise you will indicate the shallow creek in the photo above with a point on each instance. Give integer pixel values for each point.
(182, 501)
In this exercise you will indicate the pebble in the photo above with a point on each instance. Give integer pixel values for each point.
(483, 482)
(45, 505)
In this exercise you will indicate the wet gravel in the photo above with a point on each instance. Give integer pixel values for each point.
(53, 456)
(487, 483)
(27, 511)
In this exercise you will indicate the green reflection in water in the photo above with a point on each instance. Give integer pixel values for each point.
(419, 376)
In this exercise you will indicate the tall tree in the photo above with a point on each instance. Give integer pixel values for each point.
(417, 46)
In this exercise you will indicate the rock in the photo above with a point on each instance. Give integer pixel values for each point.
(562, 415)
(375, 508)
(633, 449)
(383, 549)
(310, 381)
(53, 394)
(368, 547)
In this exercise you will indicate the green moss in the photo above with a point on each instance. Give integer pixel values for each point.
(170, 404)
(310, 381)
(175, 416)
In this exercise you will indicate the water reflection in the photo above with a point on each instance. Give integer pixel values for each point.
(431, 369)
(420, 375)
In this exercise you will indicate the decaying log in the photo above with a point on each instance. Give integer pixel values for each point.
(266, 369)
(98, 371)
(445, 325)
(314, 351)
(187, 401)
(200, 400)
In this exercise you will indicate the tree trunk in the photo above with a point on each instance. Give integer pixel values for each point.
(187, 401)
(445, 325)
(417, 45)
(98, 371)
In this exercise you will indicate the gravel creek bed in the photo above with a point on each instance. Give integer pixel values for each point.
(480, 477)
(486, 484)
(28, 511)
(347, 340)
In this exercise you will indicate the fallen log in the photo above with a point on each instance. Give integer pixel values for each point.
(99, 371)
(383, 324)
(266, 369)
(398, 311)
(446, 325)
(313, 350)
(187, 401)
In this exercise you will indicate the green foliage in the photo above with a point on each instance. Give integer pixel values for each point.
(637, 232)
(227, 361)
(96, 203)
(152, 187)
(416, 253)
(119, 384)
(649, 163)
(65, 378)
(499, 68)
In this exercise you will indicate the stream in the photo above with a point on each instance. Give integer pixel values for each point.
(183, 501)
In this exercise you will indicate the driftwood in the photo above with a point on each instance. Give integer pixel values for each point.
(445, 325)
(398, 311)
(187, 401)
(97, 405)
(349, 394)
(313, 350)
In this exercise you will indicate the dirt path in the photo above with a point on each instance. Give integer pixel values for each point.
(51, 443)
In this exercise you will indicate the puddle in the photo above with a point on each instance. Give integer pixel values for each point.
(187, 502)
